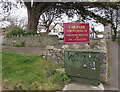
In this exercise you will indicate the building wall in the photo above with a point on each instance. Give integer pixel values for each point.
(59, 28)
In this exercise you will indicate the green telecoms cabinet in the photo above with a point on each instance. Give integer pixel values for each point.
(83, 66)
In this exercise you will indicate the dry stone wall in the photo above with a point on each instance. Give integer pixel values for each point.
(31, 40)
(102, 46)
(57, 55)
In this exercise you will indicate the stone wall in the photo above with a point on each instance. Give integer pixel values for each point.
(31, 40)
(57, 55)
(102, 46)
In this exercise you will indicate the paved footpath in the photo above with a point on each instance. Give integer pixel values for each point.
(113, 57)
(78, 86)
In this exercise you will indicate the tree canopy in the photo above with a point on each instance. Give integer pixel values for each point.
(102, 12)
(70, 8)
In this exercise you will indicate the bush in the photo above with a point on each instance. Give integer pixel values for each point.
(17, 31)
(61, 78)
(31, 33)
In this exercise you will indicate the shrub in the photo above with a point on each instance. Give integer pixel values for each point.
(17, 31)
(30, 33)
(61, 78)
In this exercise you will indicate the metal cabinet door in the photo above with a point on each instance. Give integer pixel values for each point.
(83, 66)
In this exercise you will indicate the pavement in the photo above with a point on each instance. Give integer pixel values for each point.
(79, 86)
(113, 57)
(0, 63)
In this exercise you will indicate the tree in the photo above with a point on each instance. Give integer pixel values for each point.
(70, 8)
(20, 23)
(37, 9)
(6, 11)
(111, 13)
(104, 13)
(34, 12)
(48, 17)
(115, 15)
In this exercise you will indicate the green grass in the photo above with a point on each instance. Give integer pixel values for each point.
(30, 72)
(109, 69)
(118, 40)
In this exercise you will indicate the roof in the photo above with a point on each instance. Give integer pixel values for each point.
(61, 24)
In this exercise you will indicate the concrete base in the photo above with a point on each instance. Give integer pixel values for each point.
(78, 86)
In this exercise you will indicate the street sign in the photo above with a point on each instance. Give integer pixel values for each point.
(76, 33)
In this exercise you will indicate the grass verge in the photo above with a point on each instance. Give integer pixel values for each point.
(109, 69)
(118, 40)
(30, 72)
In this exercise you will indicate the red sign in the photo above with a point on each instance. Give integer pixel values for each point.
(76, 33)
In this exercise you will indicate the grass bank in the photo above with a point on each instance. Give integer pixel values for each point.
(118, 40)
(30, 72)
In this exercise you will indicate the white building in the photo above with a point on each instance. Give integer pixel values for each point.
(58, 28)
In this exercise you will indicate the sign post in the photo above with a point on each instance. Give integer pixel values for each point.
(76, 33)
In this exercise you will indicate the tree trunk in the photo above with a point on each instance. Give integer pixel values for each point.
(116, 22)
(33, 18)
(34, 13)
(115, 32)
